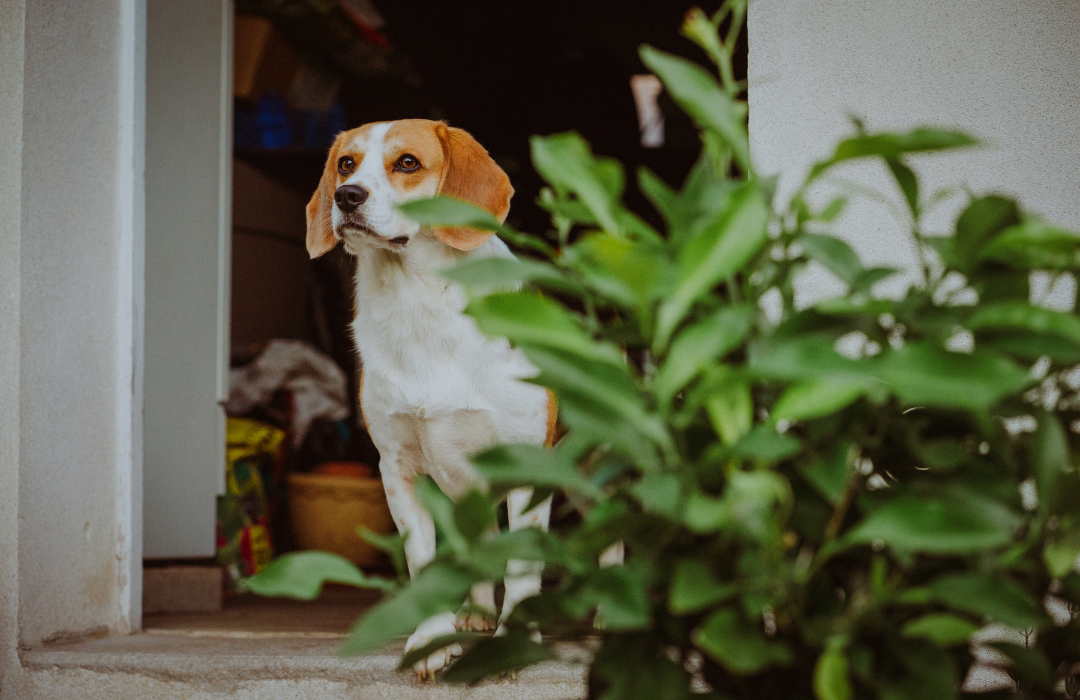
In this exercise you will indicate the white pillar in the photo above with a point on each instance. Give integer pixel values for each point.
(12, 58)
(71, 96)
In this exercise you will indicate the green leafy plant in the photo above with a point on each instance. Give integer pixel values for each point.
(815, 502)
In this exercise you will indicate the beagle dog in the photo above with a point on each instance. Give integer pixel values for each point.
(434, 389)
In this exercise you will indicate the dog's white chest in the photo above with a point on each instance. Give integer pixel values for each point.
(422, 356)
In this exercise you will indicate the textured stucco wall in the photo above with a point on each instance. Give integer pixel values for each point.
(1007, 71)
(69, 206)
(11, 72)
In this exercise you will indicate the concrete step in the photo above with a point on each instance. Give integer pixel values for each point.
(207, 665)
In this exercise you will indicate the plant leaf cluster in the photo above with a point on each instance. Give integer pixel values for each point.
(821, 502)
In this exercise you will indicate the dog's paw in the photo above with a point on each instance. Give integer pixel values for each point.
(474, 621)
(429, 630)
(425, 669)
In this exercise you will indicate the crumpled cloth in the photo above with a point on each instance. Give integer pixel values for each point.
(318, 385)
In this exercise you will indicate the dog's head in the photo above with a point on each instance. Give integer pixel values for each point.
(372, 169)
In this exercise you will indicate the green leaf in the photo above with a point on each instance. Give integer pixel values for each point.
(302, 575)
(909, 184)
(817, 397)
(892, 146)
(531, 320)
(807, 356)
(698, 28)
(719, 249)
(942, 629)
(659, 493)
(704, 514)
(474, 515)
(834, 254)
(529, 544)
(990, 595)
(926, 673)
(1029, 664)
(764, 444)
(565, 161)
(625, 271)
(699, 345)
(619, 594)
(1051, 461)
(995, 284)
(604, 390)
(1023, 316)
(740, 648)
(868, 278)
(700, 96)
(629, 667)
(393, 545)
(833, 209)
(753, 506)
(441, 509)
(830, 472)
(1034, 245)
(664, 199)
(957, 523)
(420, 653)
(941, 453)
(694, 587)
(484, 274)
(511, 466)
(731, 410)
(945, 247)
(854, 305)
(1061, 552)
(443, 210)
(437, 588)
(979, 223)
(704, 195)
(923, 374)
(1032, 346)
(831, 681)
(495, 655)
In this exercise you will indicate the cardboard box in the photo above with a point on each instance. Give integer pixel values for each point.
(263, 62)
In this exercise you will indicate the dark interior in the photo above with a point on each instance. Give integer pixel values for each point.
(502, 71)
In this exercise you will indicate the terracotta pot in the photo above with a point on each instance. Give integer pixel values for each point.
(327, 510)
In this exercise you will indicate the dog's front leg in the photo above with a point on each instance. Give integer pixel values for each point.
(523, 577)
(412, 519)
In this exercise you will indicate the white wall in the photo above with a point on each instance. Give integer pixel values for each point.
(11, 93)
(1006, 71)
(70, 202)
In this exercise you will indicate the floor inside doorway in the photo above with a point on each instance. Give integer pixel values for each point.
(331, 614)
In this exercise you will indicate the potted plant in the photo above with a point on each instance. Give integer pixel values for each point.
(816, 502)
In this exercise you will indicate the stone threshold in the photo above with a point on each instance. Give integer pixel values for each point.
(210, 664)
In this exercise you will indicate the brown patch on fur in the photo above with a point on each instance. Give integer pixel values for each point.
(553, 431)
(360, 399)
(320, 209)
(418, 138)
(472, 175)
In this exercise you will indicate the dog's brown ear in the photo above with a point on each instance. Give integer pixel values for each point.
(320, 213)
(469, 173)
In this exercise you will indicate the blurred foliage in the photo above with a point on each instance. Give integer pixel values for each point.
(820, 502)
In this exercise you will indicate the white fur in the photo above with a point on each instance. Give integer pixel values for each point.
(435, 388)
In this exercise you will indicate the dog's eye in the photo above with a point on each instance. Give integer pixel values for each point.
(407, 163)
(346, 165)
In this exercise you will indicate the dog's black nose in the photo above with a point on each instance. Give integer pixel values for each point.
(349, 197)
